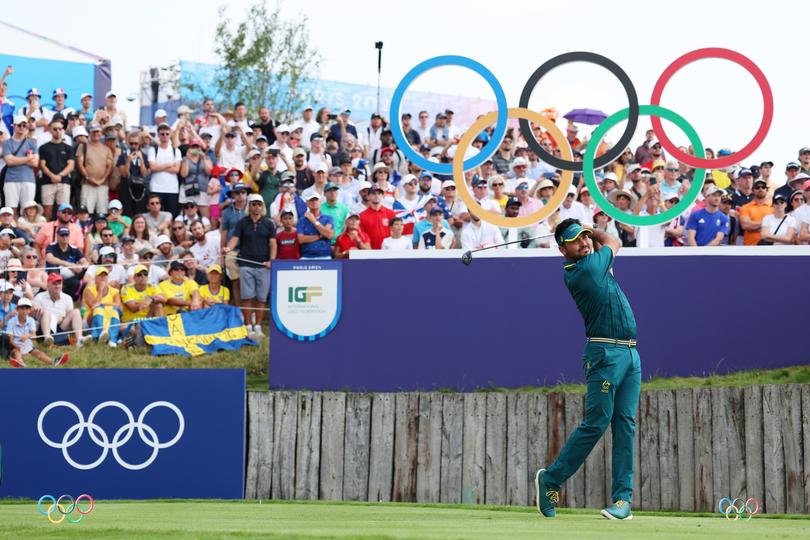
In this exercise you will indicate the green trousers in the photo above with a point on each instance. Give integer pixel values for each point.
(613, 375)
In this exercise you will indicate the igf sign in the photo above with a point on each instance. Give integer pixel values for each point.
(306, 299)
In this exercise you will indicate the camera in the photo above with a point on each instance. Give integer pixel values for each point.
(378, 45)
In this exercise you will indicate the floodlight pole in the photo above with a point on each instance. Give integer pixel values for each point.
(378, 45)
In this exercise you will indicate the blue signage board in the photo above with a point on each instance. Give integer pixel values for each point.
(123, 433)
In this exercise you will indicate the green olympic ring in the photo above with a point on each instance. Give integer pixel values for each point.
(632, 219)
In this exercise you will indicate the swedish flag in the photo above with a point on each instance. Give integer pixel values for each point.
(195, 333)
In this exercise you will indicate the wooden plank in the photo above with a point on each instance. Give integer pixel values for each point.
(556, 433)
(702, 426)
(495, 471)
(754, 462)
(806, 438)
(720, 457)
(356, 455)
(260, 445)
(406, 427)
(429, 449)
(537, 439)
(774, 456)
(684, 416)
(517, 449)
(792, 445)
(650, 465)
(308, 446)
(668, 450)
(735, 442)
(637, 463)
(452, 448)
(473, 474)
(332, 445)
(575, 486)
(381, 468)
(284, 431)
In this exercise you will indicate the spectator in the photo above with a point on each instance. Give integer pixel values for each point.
(455, 211)
(93, 239)
(315, 231)
(48, 233)
(375, 220)
(129, 253)
(802, 216)
(437, 237)
(34, 273)
(342, 126)
(523, 237)
(543, 190)
(624, 201)
(410, 206)
(726, 205)
(317, 155)
(57, 315)
(255, 235)
(194, 270)
(182, 294)
(95, 163)
(303, 174)
(214, 292)
(528, 204)
(164, 162)
(478, 234)
(195, 169)
(22, 328)
(287, 201)
(56, 165)
(7, 251)
(69, 259)
(17, 279)
(21, 157)
(605, 223)
(282, 148)
(140, 300)
(352, 238)
(269, 180)
(334, 209)
(309, 126)
(481, 194)
(103, 308)
(8, 307)
(157, 221)
(752, 214)
(107, 258)
(167, 252)
(397, 241)
(574, 209)
(742, 192)
(231, 216)
(116, 221)
(643, 151)
(287, 238)
(140, 233)
(108, 239)
(778, 227)
(133, 168)
(796, 201)
(498, 186)
(708, 226)
(411, 135)
(792, 183)
(180, 237)
(206, 247)
(156, 271)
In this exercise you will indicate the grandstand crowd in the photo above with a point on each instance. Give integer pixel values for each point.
(104, 223)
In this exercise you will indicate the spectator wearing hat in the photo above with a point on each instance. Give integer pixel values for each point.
(437, 236)
(480, 189)
(70, 260)
(528, 204)
(625, 201)
(317, 155)
(336, 177)
(502, 159)
(129, 254)
(47, 234)
(334, 209)
(522, 237)
(21, 157)
(708, 226)
(287, 201)
(107, 258)
(95, 163)
(206, 247)
(543, 190)
(214, 292)
(411, 135)
(804, 159)
(351, 238)
(315, 230)
(287, 238)
(304, 176)
(189, 213)
(231, 216)
(742, 188)
(752, 213)
(182, 294)
(321, 178)
(642, 154)
(55, 311)
(440, 132)
(477, 233)
(16, 275)
(164, 162)
(195, 169)
(156, 272)
(410, 206)
(102, 304)
(255, 235)
(7, 250)
(283, 148)
(34, 111)
(342, 126)
(802, 216)
(571, 208)
(455, 211)
(111, 108)
(21, 328)
(371, 143)
(116, 220)
(7, 222)
(375, 220)
(8, 304)
(793, 181)
(56, 165)
(656, 155)
(139, 300)
(605, 223)
(519, 173)
(778, 227)
(610, 183)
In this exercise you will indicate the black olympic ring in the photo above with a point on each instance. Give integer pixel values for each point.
(608, 64)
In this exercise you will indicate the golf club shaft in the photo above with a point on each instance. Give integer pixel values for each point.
(512, 242)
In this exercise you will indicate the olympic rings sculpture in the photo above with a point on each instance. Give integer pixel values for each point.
(57, 508)
(589, 161)
(745, 508)
(102, 439)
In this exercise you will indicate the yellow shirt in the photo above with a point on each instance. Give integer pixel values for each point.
(223, 296)
(171, 290)
(109, 298)
(130, 294)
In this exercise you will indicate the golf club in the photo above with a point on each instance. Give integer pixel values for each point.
(467, 257)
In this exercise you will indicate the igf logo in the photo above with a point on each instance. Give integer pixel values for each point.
(303, 294)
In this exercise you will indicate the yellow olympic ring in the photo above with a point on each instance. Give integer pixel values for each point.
(61, 511)
(502, 221)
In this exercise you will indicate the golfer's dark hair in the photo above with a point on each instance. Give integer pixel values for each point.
(564, 224)
(395, 220)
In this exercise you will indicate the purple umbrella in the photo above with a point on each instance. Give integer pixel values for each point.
(585, 116)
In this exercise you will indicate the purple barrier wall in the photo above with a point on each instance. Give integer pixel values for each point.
(426, 324)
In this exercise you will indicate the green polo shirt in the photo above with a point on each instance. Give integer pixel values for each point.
(268, 184)
(338, 213)
(600, 300)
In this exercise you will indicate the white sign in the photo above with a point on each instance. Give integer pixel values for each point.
(306, 299)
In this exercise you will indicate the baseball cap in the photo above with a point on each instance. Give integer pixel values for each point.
(425, 174)
(93, 127)
(769, 163)
(283, 128)
(365, 184)
(674, 196)
(632, 168)
(106, 250)
(513, 201)
(86, 94)
(140, 268)
(24, 302)
(315, 135)
(519, 162)
(110, 93)
(546, 183)
(314, 195)
(78, 131)
(335, 170)
(571, 233)
(53, 277)
(126, 239)
(299, 152)
(102, 270)
(62, 208)
(6, 210)
(161, 112)
(63, 231)
(162, 239)
(322, 168)
(804, 149)
(115, 204)
(145, 251)
(478, 181)
(330, 186)
(5, 285)
(239, 186)
(712, 189)
(176, 265)
(792, 165)
(215, 268)
(779, 196)
(658, 163)
(255, 197)
(436, 210)
(448, 183)
(744, 172)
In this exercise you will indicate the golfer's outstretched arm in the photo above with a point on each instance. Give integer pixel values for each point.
(601, 238)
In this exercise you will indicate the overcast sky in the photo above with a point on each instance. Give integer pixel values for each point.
(512, 39)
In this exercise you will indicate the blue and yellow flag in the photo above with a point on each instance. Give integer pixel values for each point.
(195, 333)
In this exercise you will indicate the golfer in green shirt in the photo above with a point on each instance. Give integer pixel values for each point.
(611, 363)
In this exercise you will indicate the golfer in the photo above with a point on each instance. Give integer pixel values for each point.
(611, 363)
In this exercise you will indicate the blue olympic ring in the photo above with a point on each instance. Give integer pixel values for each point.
(449, 60)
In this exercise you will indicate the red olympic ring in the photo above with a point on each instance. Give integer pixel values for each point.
(764, 126)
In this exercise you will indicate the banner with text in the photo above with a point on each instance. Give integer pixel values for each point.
(306, 299)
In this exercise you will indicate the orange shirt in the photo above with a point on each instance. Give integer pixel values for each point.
(755, 212)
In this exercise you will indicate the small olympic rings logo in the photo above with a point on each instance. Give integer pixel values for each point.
(566, 163)
(64, 510)
(100, 437)
(738, 508)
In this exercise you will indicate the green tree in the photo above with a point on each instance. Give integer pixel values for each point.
(264, 61)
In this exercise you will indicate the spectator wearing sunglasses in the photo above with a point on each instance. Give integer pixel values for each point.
(670, 185)
(751, 214)
(48, 233)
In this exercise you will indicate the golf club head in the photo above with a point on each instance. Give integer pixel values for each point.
(466, 258)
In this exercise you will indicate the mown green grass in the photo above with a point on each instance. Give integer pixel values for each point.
(319, 519)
